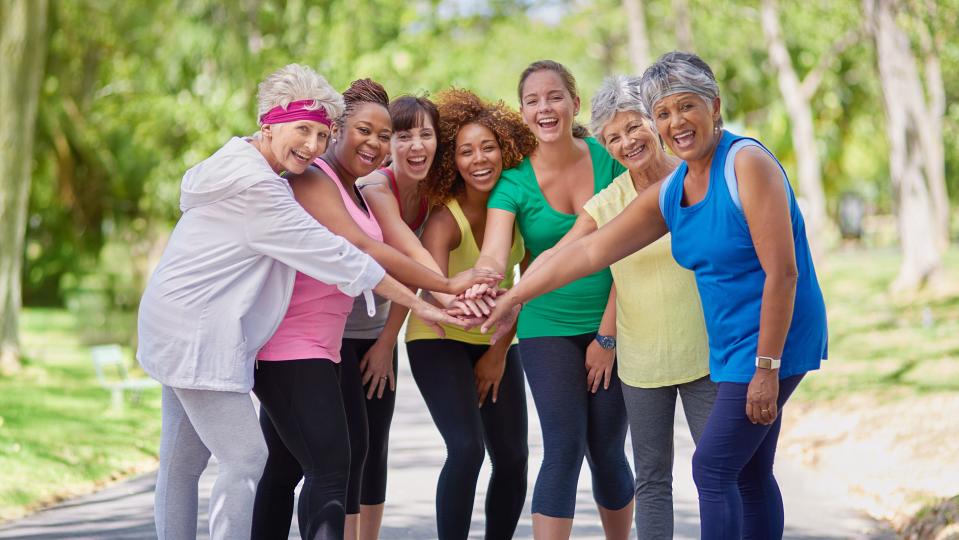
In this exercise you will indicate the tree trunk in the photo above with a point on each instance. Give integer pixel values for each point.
(639, 54)
(809, 168)
(908, 130)
(684, 26)
(22, 55)
(932, 142)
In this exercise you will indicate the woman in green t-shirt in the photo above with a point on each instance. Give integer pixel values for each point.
(566, 336)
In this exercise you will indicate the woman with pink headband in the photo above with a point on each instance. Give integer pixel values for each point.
(221, 288)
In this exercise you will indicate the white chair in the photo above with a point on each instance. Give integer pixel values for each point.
(111, 357)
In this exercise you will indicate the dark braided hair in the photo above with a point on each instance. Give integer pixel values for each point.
(362, 91)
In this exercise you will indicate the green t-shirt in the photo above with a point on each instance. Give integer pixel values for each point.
(578, 307)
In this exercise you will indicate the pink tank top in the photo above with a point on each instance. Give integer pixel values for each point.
(314, 321)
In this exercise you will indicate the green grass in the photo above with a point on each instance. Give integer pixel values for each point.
(880, 343)
(58, 434)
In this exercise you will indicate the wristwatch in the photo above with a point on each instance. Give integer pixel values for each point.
(766, 362)
(606, 342)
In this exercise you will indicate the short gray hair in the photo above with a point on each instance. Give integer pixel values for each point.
(678, 72)
(295, 82)
(616, 94)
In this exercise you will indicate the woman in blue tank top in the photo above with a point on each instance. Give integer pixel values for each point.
(735, 224)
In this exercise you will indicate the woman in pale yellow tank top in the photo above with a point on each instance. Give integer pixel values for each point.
(475, 391)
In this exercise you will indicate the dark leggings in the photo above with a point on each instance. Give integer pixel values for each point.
(443, 370)
(369, 423)
(575, 423)
(304, 425)
(733, 469)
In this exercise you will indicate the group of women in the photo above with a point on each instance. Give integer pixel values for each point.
(645, 276)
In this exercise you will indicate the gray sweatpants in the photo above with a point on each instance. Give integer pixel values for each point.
(651, 412)
(196, 423)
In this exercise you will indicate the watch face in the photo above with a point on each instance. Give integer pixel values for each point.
(606, 342)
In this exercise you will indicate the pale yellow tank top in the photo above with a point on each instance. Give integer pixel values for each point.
(463, 258)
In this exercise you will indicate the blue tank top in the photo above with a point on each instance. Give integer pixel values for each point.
(712, 239)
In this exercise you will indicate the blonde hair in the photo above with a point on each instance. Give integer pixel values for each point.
(296, 82)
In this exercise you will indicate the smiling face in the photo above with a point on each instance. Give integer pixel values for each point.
(687, 123)
(364, 139)
(414, 150)
(547, 106)
(292, 146)
(479, 158)
(629, 138)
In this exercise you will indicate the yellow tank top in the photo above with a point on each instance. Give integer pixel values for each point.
(463, 258)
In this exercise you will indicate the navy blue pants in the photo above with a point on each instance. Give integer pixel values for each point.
(576, 423)
(443, 370)
(733, 469)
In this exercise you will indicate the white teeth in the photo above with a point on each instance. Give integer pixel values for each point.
(548, 122)
(417, 161)
(636, 152)
(366, 157)
(482, 173)
(300, 156)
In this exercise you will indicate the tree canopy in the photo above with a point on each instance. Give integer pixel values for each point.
(135, 93)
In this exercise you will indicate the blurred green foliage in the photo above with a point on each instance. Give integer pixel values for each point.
(137, 92)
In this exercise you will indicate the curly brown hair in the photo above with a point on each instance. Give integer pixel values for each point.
(459, 107)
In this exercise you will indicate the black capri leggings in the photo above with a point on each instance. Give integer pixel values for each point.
(443, 370)
(304, 425)
(369, 423)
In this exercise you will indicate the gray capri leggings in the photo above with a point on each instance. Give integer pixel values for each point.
(650, 412)
(196, 423)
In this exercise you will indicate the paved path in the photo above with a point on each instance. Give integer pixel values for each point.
(125, 511)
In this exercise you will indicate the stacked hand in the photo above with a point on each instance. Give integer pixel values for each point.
(488, 307)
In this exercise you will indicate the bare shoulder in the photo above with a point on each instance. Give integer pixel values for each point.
(441, 217)
(753, 164)
(441, 227)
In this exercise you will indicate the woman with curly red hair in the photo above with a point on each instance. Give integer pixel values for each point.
(477, 141)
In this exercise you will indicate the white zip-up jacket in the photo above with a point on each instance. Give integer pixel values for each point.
(226, 276)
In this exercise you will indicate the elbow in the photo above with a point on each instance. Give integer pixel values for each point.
(786, 277)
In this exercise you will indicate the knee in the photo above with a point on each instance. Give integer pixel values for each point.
(358, 452)
(467, 453)
(511, 461)
(253, 460)
(182, 464)
(707, 471)
(568, 454)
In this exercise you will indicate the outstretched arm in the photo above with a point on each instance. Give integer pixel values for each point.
(640, 224)
(321, 198)
(397, 233)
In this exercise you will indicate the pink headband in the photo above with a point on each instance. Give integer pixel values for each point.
(296, 110)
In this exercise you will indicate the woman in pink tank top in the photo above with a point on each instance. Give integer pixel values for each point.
(298, 380)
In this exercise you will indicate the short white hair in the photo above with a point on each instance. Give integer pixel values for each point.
(296, 82)
(618, 93)
(677, 72)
